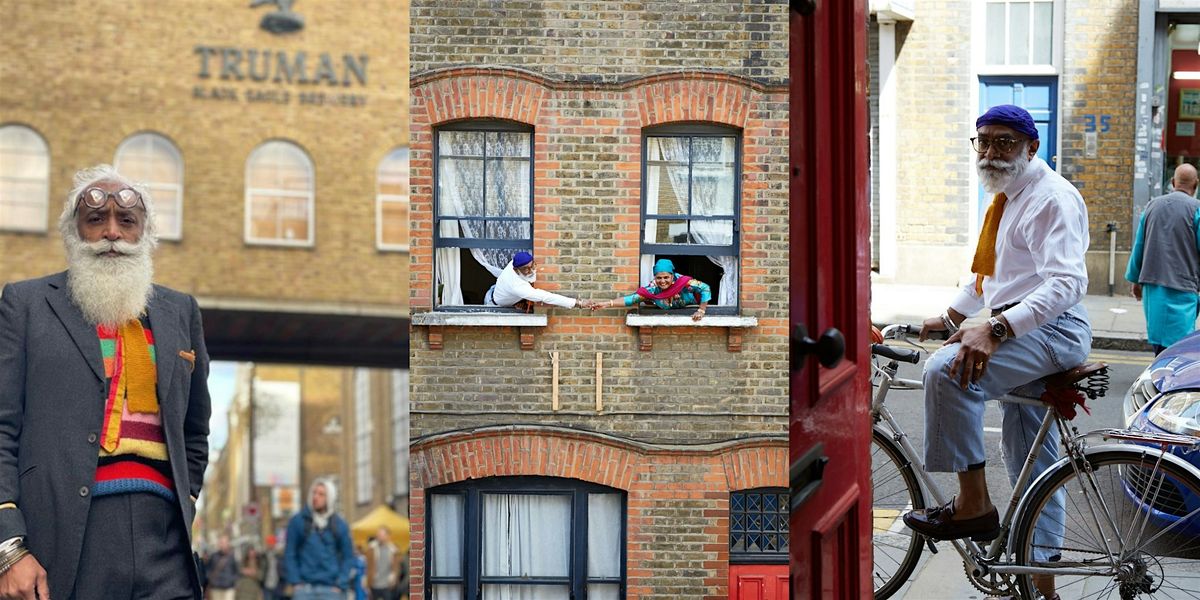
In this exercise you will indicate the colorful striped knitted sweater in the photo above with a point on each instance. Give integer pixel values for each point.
(139, 463)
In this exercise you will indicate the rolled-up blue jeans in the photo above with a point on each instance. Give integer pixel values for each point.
(954, 416)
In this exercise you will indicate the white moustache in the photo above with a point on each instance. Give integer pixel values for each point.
(120, 247)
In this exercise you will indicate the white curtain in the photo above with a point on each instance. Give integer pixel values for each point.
(712, 195)
(449, 269)
(462, 192)
(526, 535)
(447, 543)
(604, 535)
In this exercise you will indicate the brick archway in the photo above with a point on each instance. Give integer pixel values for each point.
(675, 494)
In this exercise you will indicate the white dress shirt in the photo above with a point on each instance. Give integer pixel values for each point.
(512, 288)
(1040, 250)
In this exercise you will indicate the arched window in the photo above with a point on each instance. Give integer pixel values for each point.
(154, 162)
(279, 195)
(24, 179)
(391, 199)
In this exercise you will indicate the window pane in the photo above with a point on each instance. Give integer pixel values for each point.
(667, 231)
(713, 150)
(24, 179)
(603, 591)
(392, 176)
(712, 190)
(446, 535)
(460, 187)
(152, 161)
(604, 535)
(526, 535)
(1043, 28)
(507, 188)
(447, 592)
(671, 149)
(460, 143)
(278, 217)
(400, 421)
(712, 233)
(666, 189)
(996, 41)
(526, 592)
(1018, 33)
(167, 202)
(507, 230)
(280, 166)
(508, 143)
(395, 223)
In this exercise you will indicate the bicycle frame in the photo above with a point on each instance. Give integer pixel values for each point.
(983, 560)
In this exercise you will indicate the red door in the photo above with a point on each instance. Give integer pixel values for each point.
(830, 432)
(758, 582)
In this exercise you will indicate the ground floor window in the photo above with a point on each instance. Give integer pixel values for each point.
(525, 538)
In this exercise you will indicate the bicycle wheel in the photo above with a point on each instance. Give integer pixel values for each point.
(1134, 522)
(894, 490)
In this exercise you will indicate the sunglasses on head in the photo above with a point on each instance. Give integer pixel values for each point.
(95, 197)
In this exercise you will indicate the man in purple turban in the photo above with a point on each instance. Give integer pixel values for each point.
(1030, 274)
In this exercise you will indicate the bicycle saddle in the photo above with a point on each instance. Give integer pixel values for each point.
(1072, 376)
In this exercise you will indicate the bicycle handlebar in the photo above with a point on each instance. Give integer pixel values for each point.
(901, 331)
(900, 354)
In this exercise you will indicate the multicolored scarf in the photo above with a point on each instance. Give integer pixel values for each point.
(676, 288)
(128, 351)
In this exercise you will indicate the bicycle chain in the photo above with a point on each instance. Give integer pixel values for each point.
(1009, 585)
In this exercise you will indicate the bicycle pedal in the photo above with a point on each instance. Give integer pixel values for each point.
(929, 543)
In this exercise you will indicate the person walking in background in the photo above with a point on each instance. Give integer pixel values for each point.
(383, 566)
(250, 577)
(1164, 265)
(272, 567)
(358, 576)
(103, 393)
(222, 571)
(319, 555)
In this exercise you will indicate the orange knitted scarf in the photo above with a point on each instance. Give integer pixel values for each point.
(984, 263)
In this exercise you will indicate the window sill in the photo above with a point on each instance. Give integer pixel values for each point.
(686, 321)
(435, 321)
(479, 319)
(736, 326)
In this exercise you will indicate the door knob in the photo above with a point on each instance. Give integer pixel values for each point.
(804, 7)
(829, 348)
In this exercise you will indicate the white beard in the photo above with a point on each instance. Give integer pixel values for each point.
(531, 278)
(110, 290)
(995, 175)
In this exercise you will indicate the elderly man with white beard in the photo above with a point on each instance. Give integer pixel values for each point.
(104, 412)
(1030, 273)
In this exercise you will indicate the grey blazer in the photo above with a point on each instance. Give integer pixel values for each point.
(52, 396)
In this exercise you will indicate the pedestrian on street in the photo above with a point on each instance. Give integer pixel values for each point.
(1164, 265)
(383, 565)
(1030, 272)
(103, 393)
(319, 554)
(272, 570)
(358, 576)
(222, 569)
(514, 287)
(250, 577)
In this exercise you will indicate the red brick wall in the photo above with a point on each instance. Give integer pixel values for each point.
(678, 499)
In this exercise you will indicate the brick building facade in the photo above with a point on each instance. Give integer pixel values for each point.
(647, 427)
(1077, 70)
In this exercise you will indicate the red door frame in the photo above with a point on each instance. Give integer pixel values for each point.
(830, 262)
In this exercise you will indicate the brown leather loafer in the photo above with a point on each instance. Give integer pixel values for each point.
(939, 523)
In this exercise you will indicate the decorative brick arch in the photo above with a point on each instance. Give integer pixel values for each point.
(695, 97)
(657, 480)
(476, 93)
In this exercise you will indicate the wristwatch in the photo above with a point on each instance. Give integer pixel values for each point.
(999, 329)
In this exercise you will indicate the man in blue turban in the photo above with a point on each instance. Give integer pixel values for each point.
(514, 287)
(1030, 274)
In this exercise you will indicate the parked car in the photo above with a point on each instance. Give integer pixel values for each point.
(1166, 398)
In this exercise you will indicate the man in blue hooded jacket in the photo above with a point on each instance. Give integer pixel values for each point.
(319, 553)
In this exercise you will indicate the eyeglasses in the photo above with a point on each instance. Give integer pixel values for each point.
(1003, 144)
(95, 197)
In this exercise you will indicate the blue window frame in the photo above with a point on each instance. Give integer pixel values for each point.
(483, 205)
(497, 535)
(758, 526)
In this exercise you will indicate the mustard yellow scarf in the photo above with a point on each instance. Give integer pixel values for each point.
(984, 263)
(135, 380)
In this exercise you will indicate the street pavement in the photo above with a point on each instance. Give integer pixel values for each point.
(1117, 321)
(1118, 328)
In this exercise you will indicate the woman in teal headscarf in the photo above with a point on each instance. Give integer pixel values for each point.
(668, 290)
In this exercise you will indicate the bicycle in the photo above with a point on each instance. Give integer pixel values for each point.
(1132, 505)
